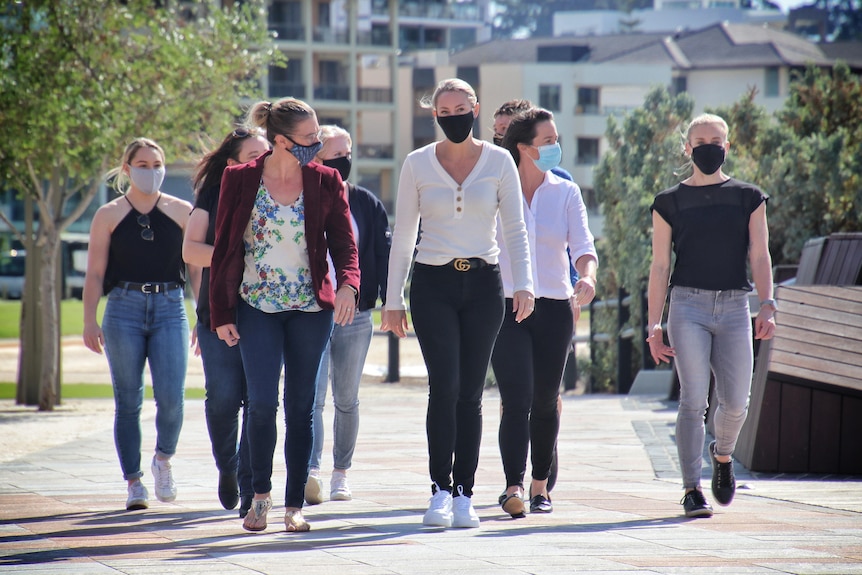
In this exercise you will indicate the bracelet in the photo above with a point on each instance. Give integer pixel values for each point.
(770, 302)
(353, 289)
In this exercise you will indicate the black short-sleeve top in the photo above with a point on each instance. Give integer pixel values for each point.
(710, 232)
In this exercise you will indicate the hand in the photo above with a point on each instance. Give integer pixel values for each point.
(193, 339)
(394, 320)
(523, 304)
(576, 309)
(345, 305)
(657, 348)
(585, 290)
(94, 339)
(228, 334)
(764, 324)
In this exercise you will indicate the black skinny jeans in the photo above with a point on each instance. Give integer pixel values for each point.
(456, 316)
(528, 360)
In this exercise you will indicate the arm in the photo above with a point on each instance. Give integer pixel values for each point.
(342, 247)
(97, 263)
(382, 237)
(195, 249)
(659, 273)
(511, 212)
(761, 271)
(582, 249)
(394, 316)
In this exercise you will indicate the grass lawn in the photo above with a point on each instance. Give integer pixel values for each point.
(89, 391)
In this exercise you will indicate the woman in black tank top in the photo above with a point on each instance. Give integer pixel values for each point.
(135, 258)
(715, 225)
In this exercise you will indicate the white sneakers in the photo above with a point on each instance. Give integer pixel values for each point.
(447, 511)
(339, 490)
(138, 496)
(166, 489)
(439, 512)
(314, 487)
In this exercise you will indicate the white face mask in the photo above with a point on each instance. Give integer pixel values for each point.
(147, 180)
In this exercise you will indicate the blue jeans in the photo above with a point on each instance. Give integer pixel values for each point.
(144, 328)
(710, 331)
(294, 339)
(226, 395)
(457, 316)
(346, 353)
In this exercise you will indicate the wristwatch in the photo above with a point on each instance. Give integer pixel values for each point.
(770, 302)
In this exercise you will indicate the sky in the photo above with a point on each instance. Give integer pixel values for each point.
(786, 5)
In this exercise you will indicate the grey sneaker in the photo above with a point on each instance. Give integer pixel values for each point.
(463, 514)
(314, 488)
(439, 512)
(166, 489)
(339, 490)
(138, 496)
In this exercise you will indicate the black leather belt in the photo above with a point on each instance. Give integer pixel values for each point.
(150, 287)
(467, 264)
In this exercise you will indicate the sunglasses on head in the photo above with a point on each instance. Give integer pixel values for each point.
(240, 133)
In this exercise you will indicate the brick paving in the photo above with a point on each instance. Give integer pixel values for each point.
(616, 504)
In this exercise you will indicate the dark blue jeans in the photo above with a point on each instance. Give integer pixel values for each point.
(226, 396)
(294, 339)
(528, 361)
(456, 316)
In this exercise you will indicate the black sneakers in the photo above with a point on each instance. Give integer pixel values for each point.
(723, 481)
(695, 504)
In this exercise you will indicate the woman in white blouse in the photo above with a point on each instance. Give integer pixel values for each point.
(529, 357)
(457, 187)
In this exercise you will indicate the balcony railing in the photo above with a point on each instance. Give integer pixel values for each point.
(376, 37)
(330, 36)
(336, 92)
(457, 11)
(380, 95)
(288, 31)
(285, 89)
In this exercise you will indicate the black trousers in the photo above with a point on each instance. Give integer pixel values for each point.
(528, 361)
(456, 315)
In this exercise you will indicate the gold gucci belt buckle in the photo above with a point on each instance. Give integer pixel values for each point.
(462, 264)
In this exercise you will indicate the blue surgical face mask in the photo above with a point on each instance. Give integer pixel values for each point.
(549, 156)
(304, 153)
(147, 180)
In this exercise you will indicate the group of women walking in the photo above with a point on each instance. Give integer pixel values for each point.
(294, 258)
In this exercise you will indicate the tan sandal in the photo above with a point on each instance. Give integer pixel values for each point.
(294, 522)
(256, 518)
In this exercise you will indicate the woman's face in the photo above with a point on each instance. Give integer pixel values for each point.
(706, 134)
(335, 147)
(146, 157)
(546, 134)
(453, 104)
(251, 148)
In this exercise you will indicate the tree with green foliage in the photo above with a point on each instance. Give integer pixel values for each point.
(78, 80)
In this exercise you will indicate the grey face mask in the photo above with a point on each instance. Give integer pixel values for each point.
(147, 180)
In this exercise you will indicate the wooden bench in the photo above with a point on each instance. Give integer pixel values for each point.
(806, 399)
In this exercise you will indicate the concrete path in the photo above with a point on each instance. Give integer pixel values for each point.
(616, 504)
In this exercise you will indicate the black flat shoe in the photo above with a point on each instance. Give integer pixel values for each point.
(541, 504)
(245, 505)
(513, 505)
(228, 490)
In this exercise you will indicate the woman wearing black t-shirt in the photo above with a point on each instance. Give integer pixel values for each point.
(223, 372)
(713, 223)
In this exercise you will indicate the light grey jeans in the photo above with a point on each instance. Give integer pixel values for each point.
(710, 330)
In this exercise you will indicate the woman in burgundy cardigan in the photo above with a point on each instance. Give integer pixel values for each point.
(270, 290)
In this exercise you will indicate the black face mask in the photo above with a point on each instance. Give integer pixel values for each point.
(342, 164)
(498, 141)
(456, 128)
(708, 158)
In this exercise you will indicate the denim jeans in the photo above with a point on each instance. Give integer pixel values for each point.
(144, 328)
(294, 339)
(456, 316)
(344, 357)
(710, 331)
(528, 361)
(226, 396)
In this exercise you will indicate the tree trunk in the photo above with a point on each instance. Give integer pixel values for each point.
(49, 379)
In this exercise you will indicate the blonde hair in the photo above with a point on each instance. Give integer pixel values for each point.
(119, 177)
(704, 119)
(450, 85)
(280, 117)
(332, 131)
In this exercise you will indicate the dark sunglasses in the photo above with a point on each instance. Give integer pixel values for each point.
(240, 133)
(146, 231)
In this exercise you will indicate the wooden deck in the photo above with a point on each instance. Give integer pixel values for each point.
(806, 398)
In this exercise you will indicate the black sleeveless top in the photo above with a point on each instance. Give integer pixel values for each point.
(207, 200)
(710, 232)
(131, 258)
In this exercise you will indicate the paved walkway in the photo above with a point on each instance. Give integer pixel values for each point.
(616, 503)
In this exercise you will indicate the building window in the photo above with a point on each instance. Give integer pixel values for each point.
(680, 85)
(588, 152)
(287, 81)
(549, 97)
(771, 82)
(588, 101)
